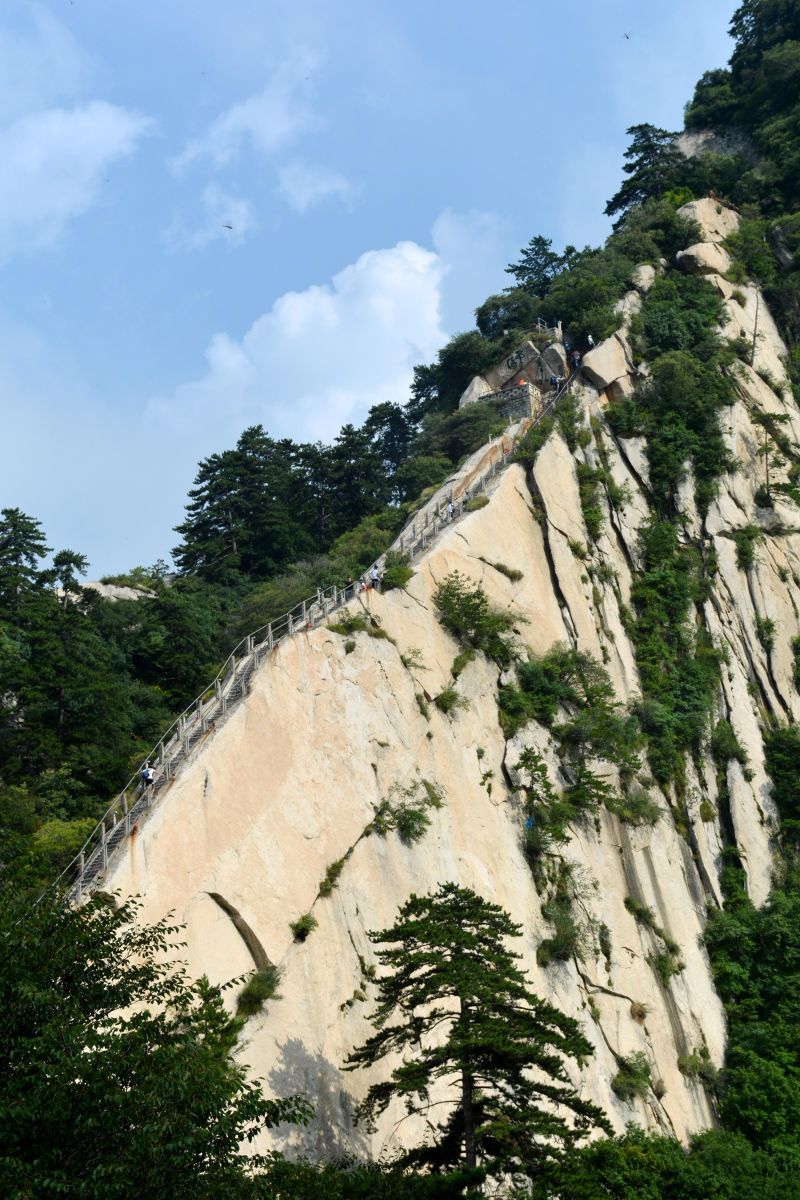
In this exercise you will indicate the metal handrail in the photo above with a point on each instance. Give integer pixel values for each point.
(197, 718)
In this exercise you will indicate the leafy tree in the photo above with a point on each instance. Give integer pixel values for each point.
(514, 310)
(654, 165)
(455, 997)
(117, 1077)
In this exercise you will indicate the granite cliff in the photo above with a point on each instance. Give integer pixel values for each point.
(333, 725)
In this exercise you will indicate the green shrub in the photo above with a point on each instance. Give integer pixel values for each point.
(634, 808)
(260, 987)
(449, 700)
(762, 497)
(589, 482)
(422, 705)
(349, 646)
(349, 624)
(640, 913)
(698, 1065)
(476, 503)
(406, 810)
(412, 659)
(765, 631)
(397, 570)
(745, 540)
(461, 661)
(509, 572)
(331, 877)
(725, 745)
(465, 611)
(303, 926)
(707, 811)
(633, 1078)
(666, 963)
(527, 449)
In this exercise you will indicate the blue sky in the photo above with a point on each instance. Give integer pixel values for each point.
(379, 164)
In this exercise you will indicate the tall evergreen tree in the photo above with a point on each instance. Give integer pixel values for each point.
(654, 165)
(457, 1006)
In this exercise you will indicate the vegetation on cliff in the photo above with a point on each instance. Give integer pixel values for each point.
(86, 686)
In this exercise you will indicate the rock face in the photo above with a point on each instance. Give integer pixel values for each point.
(289, 783)
(716, 222)
(705, 258)
(608, 362)
(475, 390)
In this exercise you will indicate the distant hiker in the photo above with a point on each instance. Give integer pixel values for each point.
(590, 342)
(349, 587)
(567, 348)
(451, 510)
(148, 776)
(559, 382)
(576, 359)
(375, 579)
(554, 381)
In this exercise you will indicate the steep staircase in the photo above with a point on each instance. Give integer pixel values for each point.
(204, 715)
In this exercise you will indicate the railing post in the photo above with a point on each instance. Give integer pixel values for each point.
(270, 638)
(104, 844)
(218, 689)
(127, 816)
(291, 624)
(335, 595)
(81, 871)
(303, 612)
(249, 644)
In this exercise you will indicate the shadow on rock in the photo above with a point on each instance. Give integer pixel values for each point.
(331, 1133)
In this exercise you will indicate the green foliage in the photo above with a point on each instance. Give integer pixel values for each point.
(460, 661)
(465, 611)
(330, 879)
(510, 572)
(448, 700)
(589, 483)
(717, 1165)
(746, 539)
(665, 963)
(260, 987)
(678, 665)
(303, 926)
(725, 745)
(633, 1078)
(100, 1033)
(476, 503)
(527, 449)
(677, 410)
(397, 570)
(654, 164)
(406, 810)
(448, 971)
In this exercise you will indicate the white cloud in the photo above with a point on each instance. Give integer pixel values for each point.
(225, 217)
(51, 166)
(267, 121)
(321, 357)
(302, 186)
(40, 62)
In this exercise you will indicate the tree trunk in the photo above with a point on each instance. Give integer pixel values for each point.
(467, 1092)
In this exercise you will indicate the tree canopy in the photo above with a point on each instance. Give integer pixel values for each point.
(474, 1038)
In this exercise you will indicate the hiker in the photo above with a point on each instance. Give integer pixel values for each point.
(567, 348)
(590, 342)
(375, 579)
(349, 587)
(576, 359)
(451, 510)
(554, 381)
(148, 776)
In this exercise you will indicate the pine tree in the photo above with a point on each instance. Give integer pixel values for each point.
(457, 1007)
(654, 165)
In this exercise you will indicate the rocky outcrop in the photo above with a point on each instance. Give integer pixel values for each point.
(715, 220)
(475, 390)
(704, 258)
(610, 361)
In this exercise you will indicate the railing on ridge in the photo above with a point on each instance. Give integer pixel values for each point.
(233, 681)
